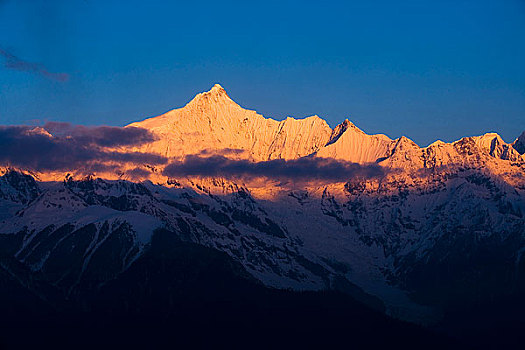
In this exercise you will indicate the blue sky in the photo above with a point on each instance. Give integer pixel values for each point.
(423, 69)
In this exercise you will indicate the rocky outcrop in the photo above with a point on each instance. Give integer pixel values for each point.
(212, 122)
(519, 143)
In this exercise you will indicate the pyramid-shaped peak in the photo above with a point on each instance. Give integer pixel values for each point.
(404, 141)
(436, 143)
(340, 129)
(347, 124)
(218, 89)
(216, 95)
(519, 143)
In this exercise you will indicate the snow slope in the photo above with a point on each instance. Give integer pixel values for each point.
(425, 225)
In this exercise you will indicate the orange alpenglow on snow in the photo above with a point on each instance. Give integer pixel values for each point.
(213, 127)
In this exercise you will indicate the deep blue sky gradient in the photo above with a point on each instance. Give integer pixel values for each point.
(423, 69)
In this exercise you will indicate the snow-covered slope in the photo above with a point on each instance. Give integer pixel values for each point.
(453, 211)
(213, 122)
(351, 144)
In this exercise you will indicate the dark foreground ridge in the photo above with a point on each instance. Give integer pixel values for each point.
(184, 294)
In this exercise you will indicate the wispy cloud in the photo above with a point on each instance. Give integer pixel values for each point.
(303, 169)
(104, 136)
(62, 146)
(13, 62)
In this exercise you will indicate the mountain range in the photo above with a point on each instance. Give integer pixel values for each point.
(288, 212)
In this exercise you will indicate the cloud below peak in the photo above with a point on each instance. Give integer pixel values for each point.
(66, 147)
(301, 169)
(76, 148)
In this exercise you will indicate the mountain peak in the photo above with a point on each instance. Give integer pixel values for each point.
(216, 95)
(519, 143)
(217, 87)
(341, 129)
(212, 121)
(216, 90)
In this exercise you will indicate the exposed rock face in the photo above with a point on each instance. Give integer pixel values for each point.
(453, 211)
(519, 144)
(496, 147)
(213, 122)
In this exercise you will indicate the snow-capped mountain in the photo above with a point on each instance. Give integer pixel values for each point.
(212, 122)
(440, 226)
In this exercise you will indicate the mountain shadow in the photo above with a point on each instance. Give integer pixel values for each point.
(180, 294)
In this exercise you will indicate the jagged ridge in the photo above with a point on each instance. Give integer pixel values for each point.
(212, 121)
